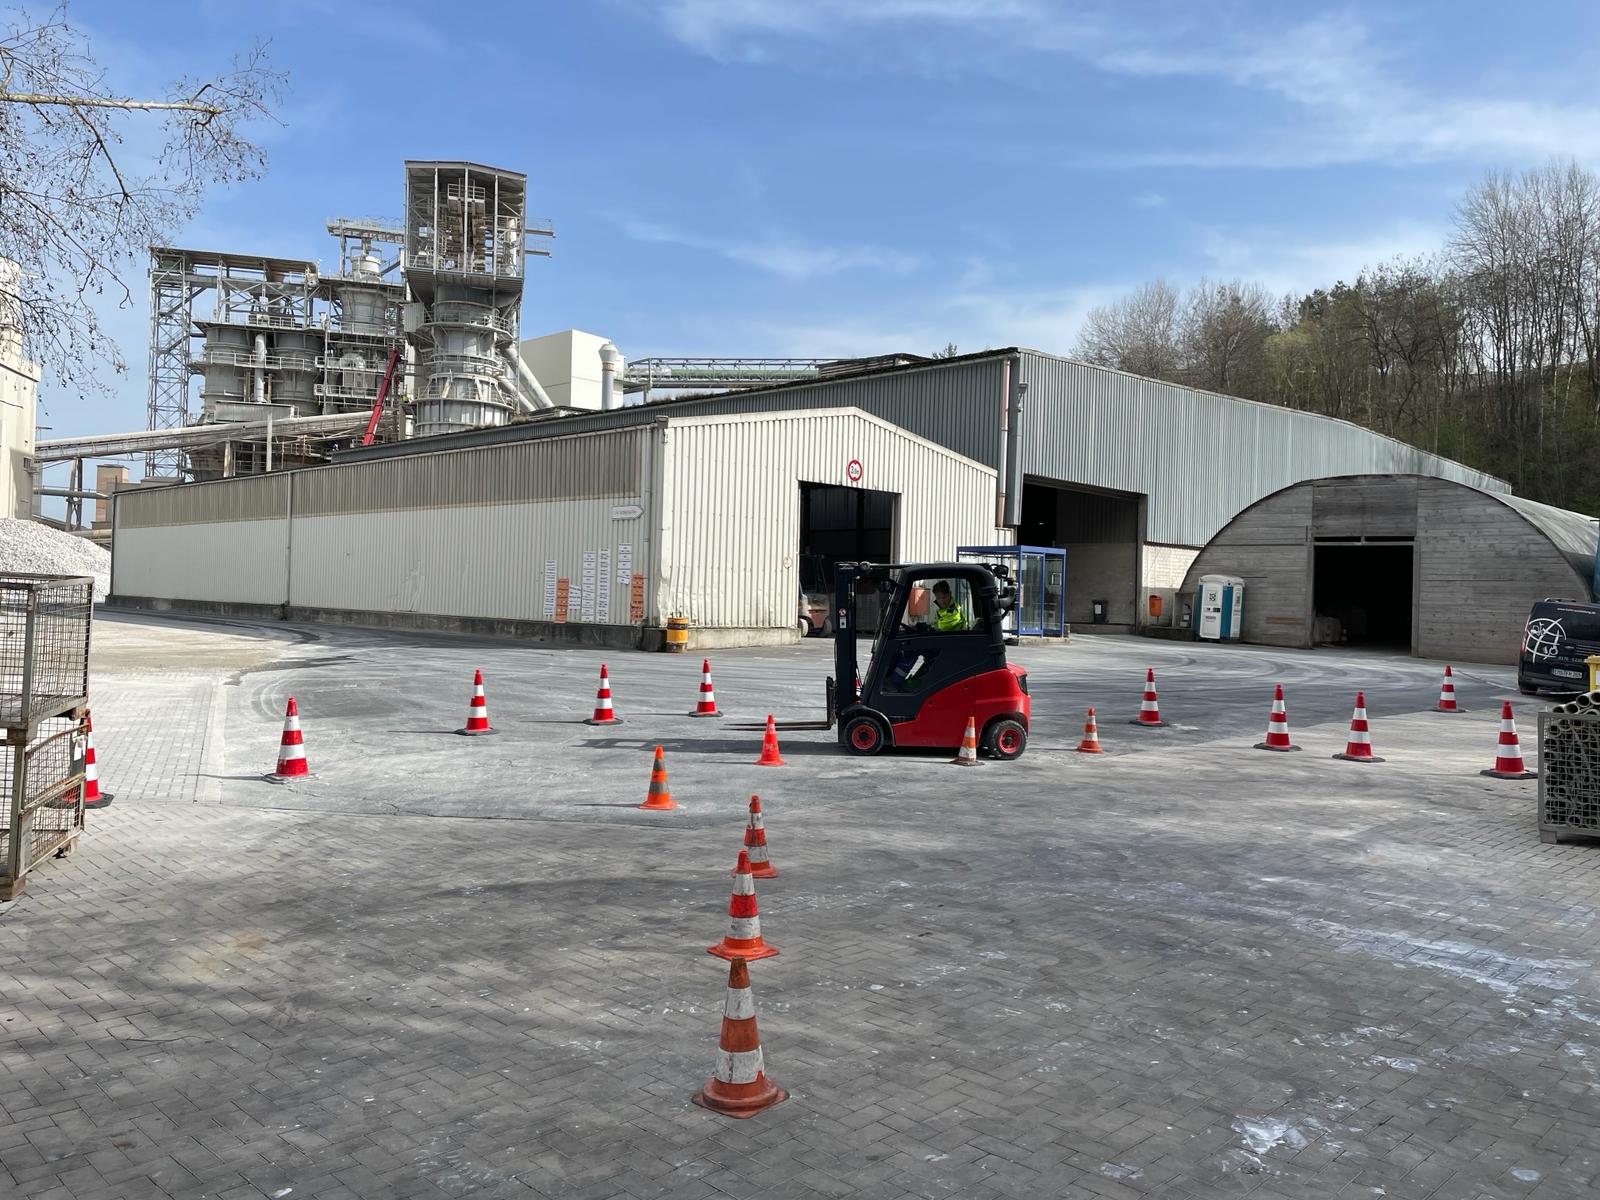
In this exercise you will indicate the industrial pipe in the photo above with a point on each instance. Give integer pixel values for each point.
(610, 361)
(261, 370)
(527, 385)
(1013, 457)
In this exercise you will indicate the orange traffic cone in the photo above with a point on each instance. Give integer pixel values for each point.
(707, 704)
(93, 797)
(755, 843)
(291, 748)
(477, 710)
(744, 921)
(967, 756)
(659, 798)
(739, 1087)
(1091, 737)
(1508, 762)
(1358, 746)
(1447, 694)
(604, 714)
(769, 746)
(1277, 725)
(1149, 708)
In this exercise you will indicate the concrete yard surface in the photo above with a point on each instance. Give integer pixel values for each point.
(448, 966)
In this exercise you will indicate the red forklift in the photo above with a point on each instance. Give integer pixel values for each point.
(938, 657)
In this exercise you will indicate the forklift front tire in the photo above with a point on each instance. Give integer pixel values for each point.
(864, 735)
(1005, 739)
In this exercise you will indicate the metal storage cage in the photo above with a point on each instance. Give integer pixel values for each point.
(1040, 573)
(44, 686)
(44, 646)
(1569, 774)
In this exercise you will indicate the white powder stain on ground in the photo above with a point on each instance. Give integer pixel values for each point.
(1263, 1133)
(1525, 1174)
(1120, 1171)
(1409, 1065)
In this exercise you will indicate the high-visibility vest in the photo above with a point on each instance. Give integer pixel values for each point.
(948, 620)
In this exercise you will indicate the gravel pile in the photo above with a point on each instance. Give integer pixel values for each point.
(38, 549)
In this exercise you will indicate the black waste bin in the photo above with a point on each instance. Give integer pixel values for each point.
(1100, 611)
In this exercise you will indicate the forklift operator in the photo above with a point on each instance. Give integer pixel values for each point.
(947, 615)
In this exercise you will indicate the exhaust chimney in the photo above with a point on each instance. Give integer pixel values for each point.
(610, 360)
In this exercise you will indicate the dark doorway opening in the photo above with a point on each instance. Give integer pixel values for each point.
(1101, 533)
(1366, 589)
(840, 524)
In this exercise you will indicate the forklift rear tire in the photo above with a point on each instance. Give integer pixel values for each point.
(864, 735)
(1005, 740)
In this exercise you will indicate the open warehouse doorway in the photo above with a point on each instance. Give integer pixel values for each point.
(1101, 532)
(1362, 593)
(841, 524)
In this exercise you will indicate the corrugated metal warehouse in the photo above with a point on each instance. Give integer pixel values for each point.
(1435, 567)
(598, 535)
(738, 493)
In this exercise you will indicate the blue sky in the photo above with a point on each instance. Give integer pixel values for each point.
(852, 176)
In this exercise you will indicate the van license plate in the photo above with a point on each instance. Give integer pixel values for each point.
(1565, 674)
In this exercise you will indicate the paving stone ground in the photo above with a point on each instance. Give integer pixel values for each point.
(452, 967)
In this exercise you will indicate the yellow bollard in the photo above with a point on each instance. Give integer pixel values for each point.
(1593, 663)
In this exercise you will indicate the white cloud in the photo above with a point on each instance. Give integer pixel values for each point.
(1149, 200)
(784, 257)
(1340, 93)
(1285, 262)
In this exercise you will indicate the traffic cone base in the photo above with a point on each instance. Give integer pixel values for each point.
(740, 1087)
(770, 756)
(1091, 736)
(1156, 724)
(659, 799)
(1508, 762)
(1360, 758)
(755, 843)
(967, 756)
(1280, 749)
(743, 939)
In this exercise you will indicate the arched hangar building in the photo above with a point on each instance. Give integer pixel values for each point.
(1428, 565)
(715, 501)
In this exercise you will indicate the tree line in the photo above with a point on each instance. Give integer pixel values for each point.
(1485, 351)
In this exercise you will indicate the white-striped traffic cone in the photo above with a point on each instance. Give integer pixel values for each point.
(755, 843)
(967, 756)
(739, 1087)
(1358, 746)
(93, 797)
(744, 919)
(291, 748)
(707, 704)
(1447, 694)
(604, 714)
(477, 710)
(1508, 762)
(1091, 736)
(1277, 725)
(1149, 707)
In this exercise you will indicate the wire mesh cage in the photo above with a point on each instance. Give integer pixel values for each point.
(41, 797)
(44, 646)
(1569, 774)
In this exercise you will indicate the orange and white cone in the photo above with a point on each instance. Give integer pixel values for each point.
(739, 1087)
(707, 704)
(291, 748)
(659, 798)
(93, 797)
(967, 756)
(604, 714)
(1091, 737)
(477, 710)
(1508, 762)
(1358, 746)
(1277, 725)
(1149, 708)
(744, 921)
(1447, 694)
(769, 746)
(755, 843)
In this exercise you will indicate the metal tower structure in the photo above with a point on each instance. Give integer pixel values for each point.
(466, 233)
(170, 330)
